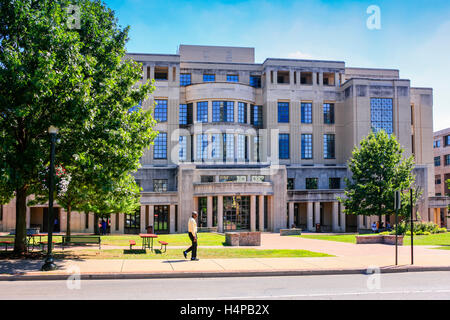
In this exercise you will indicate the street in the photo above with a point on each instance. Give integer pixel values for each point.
(402, 286)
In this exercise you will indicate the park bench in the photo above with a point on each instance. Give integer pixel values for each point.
(132, 243)
(163, 243)
(7, 240)
(81, 240)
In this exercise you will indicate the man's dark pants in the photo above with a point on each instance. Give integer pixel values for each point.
(193, 247)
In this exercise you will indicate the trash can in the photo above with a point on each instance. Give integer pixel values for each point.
(317, 227)
(149, 229)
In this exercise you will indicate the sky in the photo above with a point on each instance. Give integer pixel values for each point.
(413, 36)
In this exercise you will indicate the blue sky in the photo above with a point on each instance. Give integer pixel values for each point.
(414, 35)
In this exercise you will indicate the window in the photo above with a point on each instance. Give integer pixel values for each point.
(185, 79)
(256, 148)
(202, 111)
(328, 113)
(328, 79)
(242, 112)
(283, 77)
(283, 112)
(232, 78)
(307, 143)
(207, 179)
(447, 141)
(161, 73)
(334, 183)
(312, 183)
(447, 160)
(283, 145)
(256, 116)
(255, 81)
(228, 146)
(437, 180)
(232, 178)
(437, 144)
(183, 148)
(328, 146)
(161, 110)
(160, 146)
(306, 112)
(209, 77)
(306, 78)
(215, 142)
(159, 185)
(437, 161)
(223, 111)
(241, 146)
(290, 184)
(202, 146)
(183, 114)
(381, 114)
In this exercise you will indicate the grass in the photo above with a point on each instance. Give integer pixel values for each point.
(211, 253)
(439, 239)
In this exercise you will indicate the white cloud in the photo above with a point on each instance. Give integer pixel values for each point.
(300, 55)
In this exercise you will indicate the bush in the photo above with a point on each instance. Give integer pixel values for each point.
(385, 233)
(441, 230)
(419, 228)
(426, 233)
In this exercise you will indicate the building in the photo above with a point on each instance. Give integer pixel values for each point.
(264, 146)
(441, 151)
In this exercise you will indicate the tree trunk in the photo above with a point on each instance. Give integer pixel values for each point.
(96, 229)
(20, 243)
(69, 211)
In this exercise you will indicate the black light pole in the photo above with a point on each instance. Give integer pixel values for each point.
(49, 262)
(412, 225)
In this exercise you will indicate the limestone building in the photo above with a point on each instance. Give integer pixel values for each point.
(264, 146)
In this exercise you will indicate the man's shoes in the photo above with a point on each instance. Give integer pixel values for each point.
(185, 254)
(195, 259)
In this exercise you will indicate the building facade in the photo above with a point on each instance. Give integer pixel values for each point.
(264, 146)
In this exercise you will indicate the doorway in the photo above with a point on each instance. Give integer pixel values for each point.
(161, 219)
(57, 221)
(236, 213)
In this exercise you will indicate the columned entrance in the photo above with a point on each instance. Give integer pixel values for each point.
(236, 213)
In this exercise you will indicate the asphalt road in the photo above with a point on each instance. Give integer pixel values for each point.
(402, 286)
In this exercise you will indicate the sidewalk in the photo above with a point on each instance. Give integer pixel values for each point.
(349, 258)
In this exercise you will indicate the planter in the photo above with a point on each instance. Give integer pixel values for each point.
(243, 238)
(290, 232)
(384, 239)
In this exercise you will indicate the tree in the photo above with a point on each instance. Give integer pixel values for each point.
(74, 79)
(378, 169)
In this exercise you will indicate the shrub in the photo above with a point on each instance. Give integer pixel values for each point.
(419, 228)
(426, 233)
(441, 230)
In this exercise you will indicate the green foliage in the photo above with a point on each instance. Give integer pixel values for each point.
(378, 170)
(420, 228)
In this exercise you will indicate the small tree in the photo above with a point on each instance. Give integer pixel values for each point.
(378, 170)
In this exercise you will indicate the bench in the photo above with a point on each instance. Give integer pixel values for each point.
(163, 243)
(132, 243)
(7, 240)
(81, 240)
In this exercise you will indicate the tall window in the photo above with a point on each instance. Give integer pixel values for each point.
(283, 145)
(437, 144)
(161, 110)
(256, 116)
(215, 141)
(159, 185)
(381, 114)
(334, 183)
(307, 145)
(202, 146)
(202, 111)
(241, 146)
(447, 141)
(312, 183)
(283, 112)
(185, 79)
(255, 81)
(223, 111)
(329, 146)
(256, 141)
(447, 159)
(182, 148)
(228, 146)
(437, 161)
(328, 113)
(209, 77)
(160, 146)
(183, 114)
(306, 112)
(232, 78)
(242, 112)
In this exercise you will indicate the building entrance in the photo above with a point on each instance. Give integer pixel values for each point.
(161, 219)
(236, 213)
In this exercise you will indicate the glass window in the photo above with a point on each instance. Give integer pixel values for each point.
(328, 113)
(437, 180)
(447, 159)
(159, 185)
(223, 111)
(255, 81)
(161, 110)
(256, 148)
(381, 114)
(312, 183)
(183, 114)
(290, 183)
(202, 146)
(334, 183)
(232, 178)
(232, 78)
(258, 178)
(447, 141)
(183, 148)
(283, 112)
(185, 79)
(242, 112)
(283, 145)
(241, 146)
(228, 146)
(437, 144)
(209, 77)
(437, 161)
(160, 146)
(307, 146)
(215, 141)
(207, 179)
(202, 111)
(306, 111)
(256, 116)
(329, 146)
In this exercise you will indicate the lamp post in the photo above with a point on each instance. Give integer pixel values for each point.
(49, 262)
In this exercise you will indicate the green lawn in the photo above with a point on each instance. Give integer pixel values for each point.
(440, 239)
(204, 239)
(211, 253)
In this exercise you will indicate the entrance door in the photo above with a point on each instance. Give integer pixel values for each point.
(351, 223)
(161, 219)
(133, 222)
(56, 221)
(236, 213)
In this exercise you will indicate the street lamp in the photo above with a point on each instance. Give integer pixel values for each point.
(49, 262)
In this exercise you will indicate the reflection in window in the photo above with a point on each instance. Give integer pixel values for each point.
(381, 114)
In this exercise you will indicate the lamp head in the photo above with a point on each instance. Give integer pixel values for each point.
(53, 129)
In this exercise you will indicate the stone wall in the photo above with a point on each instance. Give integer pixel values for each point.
(243, 238)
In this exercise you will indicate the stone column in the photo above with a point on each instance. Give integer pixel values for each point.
(343, 219)
(121, 218)
(143, 227)
(220, 213)
(309, 212)
(172, 218)
(91, 222)
(291, 214)
(335, 217)
(63, 221)
(337, 79)
(261, 213)
(195, 204)
(209, 211)
(252, 213)
(151, 216)
(113, 223)
(361, 222)
(317, 213)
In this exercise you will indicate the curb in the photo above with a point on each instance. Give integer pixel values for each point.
(214, 274)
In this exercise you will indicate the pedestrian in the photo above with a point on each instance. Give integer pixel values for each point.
(103, 227)
(374, 227)
(192, 231)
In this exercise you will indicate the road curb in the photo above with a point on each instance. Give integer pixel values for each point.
(223, 274)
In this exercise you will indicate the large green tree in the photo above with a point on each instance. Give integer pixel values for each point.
(378, 169)
(75, 79)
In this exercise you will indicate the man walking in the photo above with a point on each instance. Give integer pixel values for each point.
(192, 229)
